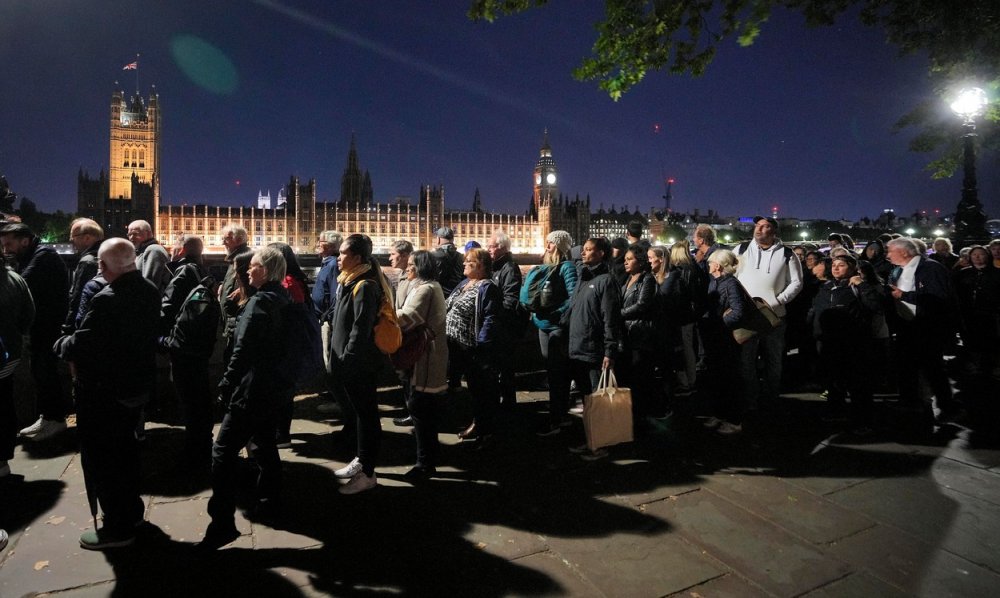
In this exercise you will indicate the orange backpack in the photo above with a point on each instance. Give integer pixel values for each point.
(388, 335)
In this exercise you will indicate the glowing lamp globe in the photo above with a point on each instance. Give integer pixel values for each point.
(970, 103)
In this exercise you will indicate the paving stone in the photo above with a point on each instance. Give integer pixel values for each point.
(967, 526)
(958, 449)
(858, 584)
(729, 585)
(794, 509)
(505, 542)
(266, 537)
(914, 566)
(832, 468)
(757, 550)
(636, 564)
(983, 484)
(186, 521)
(567, 580)
(97, 590)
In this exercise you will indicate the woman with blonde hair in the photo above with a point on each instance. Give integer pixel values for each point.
(659, 262)
(683, 292)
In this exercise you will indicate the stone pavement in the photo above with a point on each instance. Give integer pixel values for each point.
(790, 508)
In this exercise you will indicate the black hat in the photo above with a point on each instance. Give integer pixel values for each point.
(773, 222)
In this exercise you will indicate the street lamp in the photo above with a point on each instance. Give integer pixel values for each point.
(970, 220)
(804, 234)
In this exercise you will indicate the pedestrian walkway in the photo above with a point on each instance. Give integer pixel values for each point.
(789, 508)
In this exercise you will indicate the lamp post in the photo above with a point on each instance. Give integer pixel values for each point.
(970, 220)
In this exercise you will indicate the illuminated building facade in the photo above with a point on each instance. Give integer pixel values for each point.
(130, 190)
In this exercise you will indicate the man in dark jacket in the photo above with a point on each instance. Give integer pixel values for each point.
(924, 322)
(354, 352)
(254, 379)
(86, 237)
(189, 338)
(507, 276)
(114, 356)
(47, 277)
(449, 260)
(324, 298)
(234, 239)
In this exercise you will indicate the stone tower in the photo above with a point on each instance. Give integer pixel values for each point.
(546, 186)
(135, 145)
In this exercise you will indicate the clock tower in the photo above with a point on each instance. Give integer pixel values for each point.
(545, 178)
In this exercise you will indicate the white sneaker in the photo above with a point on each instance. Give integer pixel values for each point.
(3, 539)
(4, 469)
(359, 483)
(712, 422)
(729, 429)
(350, 470)
(43, 429)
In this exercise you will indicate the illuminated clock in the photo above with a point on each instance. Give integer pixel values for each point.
(538, 179)
(551, 178)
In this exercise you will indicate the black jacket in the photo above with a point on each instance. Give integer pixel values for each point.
(937, 315)
(48, 280)
(352, 333)
(640, 311)
(449, 263)
(507, 277)
(230, 308)
(729, 302)
(594, 316)
(114, 349)
(255, 378)
(187, 275)
(843, 311)
(86, 268)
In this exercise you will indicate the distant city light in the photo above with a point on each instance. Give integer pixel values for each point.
(670, 241)
(910, 231)
(938, 232)
(804, 234)
(728, 238)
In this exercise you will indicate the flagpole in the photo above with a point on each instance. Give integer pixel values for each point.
(137, 75)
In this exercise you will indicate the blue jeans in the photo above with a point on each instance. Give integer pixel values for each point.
(769, 347)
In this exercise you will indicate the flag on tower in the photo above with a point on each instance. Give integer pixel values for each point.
(131, 66)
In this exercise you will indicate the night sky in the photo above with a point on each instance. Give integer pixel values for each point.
(257, 91)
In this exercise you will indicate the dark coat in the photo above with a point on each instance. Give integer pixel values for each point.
(48, 280)
(449, 264)
(230, 308)
(86, 268)
(324, 292)
(979, 298)
(682, 294)
(255, 379)
(187, 275)
(937, 317)
(114, 349)
(640, 312)
(843, 311)
(352, 333)
(507, 277)
(594, 316)
(729, 302)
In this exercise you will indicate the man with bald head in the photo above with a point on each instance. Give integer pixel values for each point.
(113, 357)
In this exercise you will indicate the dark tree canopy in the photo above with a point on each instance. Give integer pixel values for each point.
(961, 39)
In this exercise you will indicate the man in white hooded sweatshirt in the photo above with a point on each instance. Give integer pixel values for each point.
(769, 270)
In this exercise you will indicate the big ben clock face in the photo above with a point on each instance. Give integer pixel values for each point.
(538, 179)
(551, 178)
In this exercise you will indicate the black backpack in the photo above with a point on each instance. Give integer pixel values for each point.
(195, 329)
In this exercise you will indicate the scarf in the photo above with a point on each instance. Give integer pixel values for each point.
(349, 276)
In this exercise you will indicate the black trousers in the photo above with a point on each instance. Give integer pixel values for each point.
(109, 453)
(484, 384)
(918, 353)
(8, 419)
(555, 349)
(425, 409)
(52, 401)
(636, 370)
(191, 381)
(239, 428)
(362, 394)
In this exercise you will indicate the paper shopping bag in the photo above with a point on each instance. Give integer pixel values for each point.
(607, 413)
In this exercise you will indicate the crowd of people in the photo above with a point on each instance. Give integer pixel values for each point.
(714, 322)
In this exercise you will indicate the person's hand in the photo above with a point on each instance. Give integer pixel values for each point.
(897, 293)
(856, 280)
(608, 363)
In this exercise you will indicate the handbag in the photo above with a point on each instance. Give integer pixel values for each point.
(758, 320)
(415, 343)
(607, 413)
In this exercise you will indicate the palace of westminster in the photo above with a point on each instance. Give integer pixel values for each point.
(130, 190)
